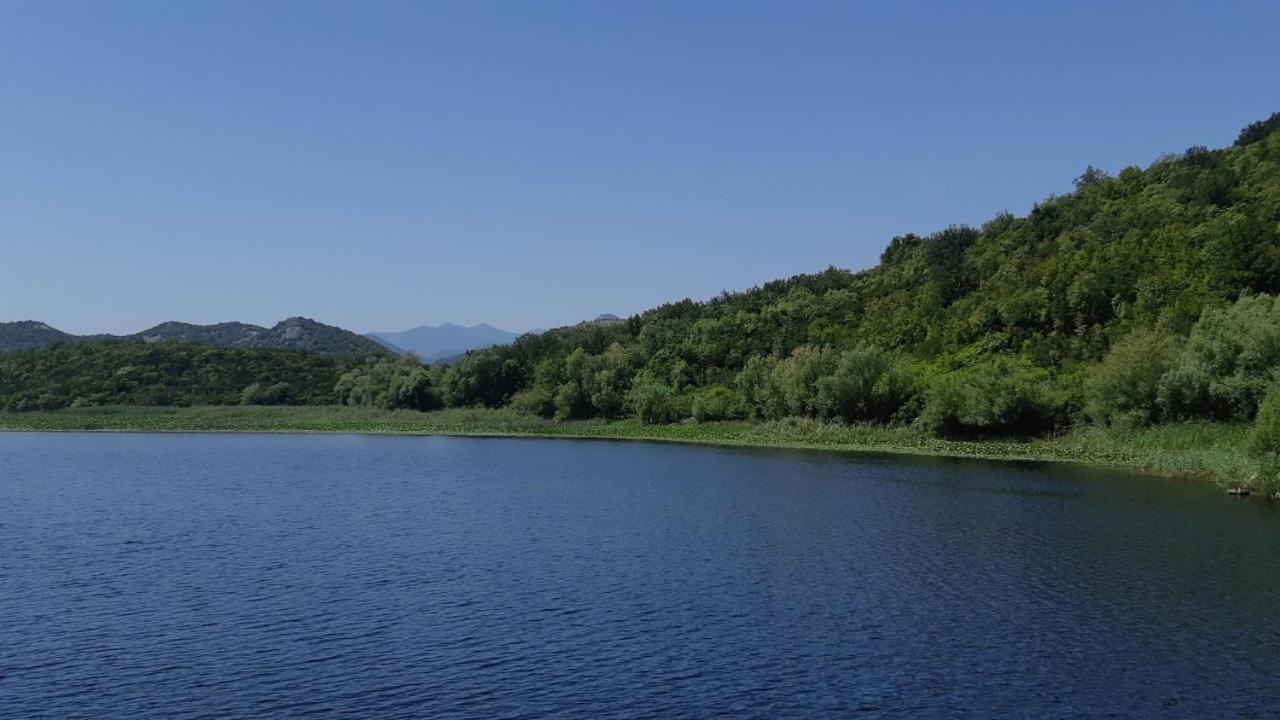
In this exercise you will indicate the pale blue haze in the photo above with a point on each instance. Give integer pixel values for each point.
(385, 165)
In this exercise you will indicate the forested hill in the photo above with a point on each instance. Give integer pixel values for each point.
(1146, 296)
(167, 373)
(293, 334)
(1023, 310)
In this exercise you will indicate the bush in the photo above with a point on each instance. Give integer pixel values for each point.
(390, 385)
(609, 401)
(867, 384)
(1266, 480)
(259, 394)
(654, 403)
(1125, 388)
(412, 387)
(1266, 429)
(999, 397)
(753, 386)
(571, 401)
(1228, 362)
(537, 400)
(794, 382)
(717, 403)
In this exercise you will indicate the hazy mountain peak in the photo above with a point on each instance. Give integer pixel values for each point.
(432, 343)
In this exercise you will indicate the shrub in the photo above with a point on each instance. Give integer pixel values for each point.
(717, 403)
(537, 400)
(1228, 362)
(608, 400)
(753, 385)
(412, 388)
(999, 397)
(257, 394)
(390, 385)
(1125, 388)
(1266, 429)
(866, 384)
(795, 381)
(654, 403)
(1266, 480)
(571, 401)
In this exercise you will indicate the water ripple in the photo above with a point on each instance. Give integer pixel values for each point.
(356, 577)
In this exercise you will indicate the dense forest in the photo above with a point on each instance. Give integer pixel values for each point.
(1143, 297)
(124, 373)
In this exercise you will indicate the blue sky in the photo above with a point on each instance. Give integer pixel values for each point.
(384, 165)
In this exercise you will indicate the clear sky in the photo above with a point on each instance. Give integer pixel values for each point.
(381, 165)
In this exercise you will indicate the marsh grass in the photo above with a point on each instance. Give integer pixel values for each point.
(1213, 451)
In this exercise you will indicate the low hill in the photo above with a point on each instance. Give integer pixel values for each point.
(295, 333)
(28, 334)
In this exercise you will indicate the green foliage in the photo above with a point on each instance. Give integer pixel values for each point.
(1256, 132)
(280, 393)
(654, 403)
(1266, 481)
(482, 379)
(581, 385)
(390, 384)
(999, 397)
(1265, 437)
(793, 384)
(754, 385)
(717, 402)
(1125, 388)
(867, 384)
(1228, 362)
(537, 400)
(163, 374)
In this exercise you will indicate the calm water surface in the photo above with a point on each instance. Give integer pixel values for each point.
(184, 576)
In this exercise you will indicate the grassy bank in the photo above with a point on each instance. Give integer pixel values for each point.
(1192, 450)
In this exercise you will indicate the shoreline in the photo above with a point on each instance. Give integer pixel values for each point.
(1191, 451)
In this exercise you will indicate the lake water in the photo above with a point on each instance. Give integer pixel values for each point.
(184, 576)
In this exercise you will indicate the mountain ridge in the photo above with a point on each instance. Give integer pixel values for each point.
(295, 333)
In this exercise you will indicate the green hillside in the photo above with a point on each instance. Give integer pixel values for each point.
(1137, 297)
(122, 373)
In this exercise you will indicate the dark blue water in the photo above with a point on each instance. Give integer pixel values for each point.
(357, 577)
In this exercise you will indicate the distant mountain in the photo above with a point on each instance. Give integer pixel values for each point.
(296, 333)
(28, 334)
(436, 343)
